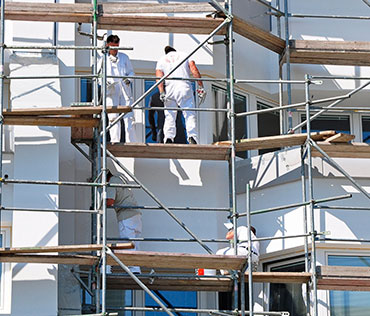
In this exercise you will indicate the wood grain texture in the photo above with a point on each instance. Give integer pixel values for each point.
(51, 121)
(78, 110)
(340, 150)
(66, 248)
(170, 151)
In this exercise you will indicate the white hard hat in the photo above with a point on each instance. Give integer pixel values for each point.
(229, 225)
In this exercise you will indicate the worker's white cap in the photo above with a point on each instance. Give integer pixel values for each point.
(229, 225)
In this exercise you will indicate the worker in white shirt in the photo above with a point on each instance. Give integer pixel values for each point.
(119, 91)
(179, 93)
(242, 247)
(129, 220)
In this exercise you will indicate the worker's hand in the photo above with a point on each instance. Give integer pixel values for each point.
(126, 81)
(201, 95)
(154, 134)
(163, 97)
(113, 59)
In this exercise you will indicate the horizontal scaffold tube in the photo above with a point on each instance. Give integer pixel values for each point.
(19, 209)
(179, 208)
(283, 207)
(346, 208)
(168, 239)
(61, 47)
(86, 184)
(199, 310)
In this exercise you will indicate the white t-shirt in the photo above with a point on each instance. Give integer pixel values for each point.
(176, 88)
(243, 239)
(122, 67)
(122, 197)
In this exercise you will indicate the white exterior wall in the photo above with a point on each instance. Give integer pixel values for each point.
(46, 153)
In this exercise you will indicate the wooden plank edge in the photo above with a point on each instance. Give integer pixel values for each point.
(64, 248)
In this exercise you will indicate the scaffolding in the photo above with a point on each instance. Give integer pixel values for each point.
(312, 144)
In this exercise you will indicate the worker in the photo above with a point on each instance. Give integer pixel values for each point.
(155, 101)
(242, 247)
(179, 93)
(119, 91)
(129, 220)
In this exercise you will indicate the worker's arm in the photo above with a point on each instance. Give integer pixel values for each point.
(110, 202)
(160, 74)
(230, 235)
(195, 72)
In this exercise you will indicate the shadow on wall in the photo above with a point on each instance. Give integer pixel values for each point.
(182, 183)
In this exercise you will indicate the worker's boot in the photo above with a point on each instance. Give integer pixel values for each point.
(192, 141)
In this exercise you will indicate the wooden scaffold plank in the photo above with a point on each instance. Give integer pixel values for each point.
(51, 121)
(170, 151)
(330, 52)
(178, 260)
(343, 278)
(64, 248)
(340, 150)
(276, 141)
(77, 110)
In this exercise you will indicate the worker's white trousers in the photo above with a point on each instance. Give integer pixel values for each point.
(118, 94)
(131, 228)
(242, 251)
(169, 127)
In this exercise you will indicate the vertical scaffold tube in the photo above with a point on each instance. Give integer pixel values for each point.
(96, 150)
(310, 194)
(104, 181)
(287, 61)
(250, 264)
(305, 230)
(2, 61)
(230, 62)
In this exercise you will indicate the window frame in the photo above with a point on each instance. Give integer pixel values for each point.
(361, 126)
(267, 268)
(350, 119)
(343, 253)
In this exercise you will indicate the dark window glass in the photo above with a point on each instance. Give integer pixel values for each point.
(349, 303)
(172, 299)
(338, 123)
(366, 129)
(288, 297)
(157, 118)
(268, 125)
(220, 127)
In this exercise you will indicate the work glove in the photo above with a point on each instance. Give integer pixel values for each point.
(201, 95)
(163, 97)
(126, 81)
(113, 59)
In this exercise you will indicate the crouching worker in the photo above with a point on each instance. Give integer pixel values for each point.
(242, 237)
(129, 220)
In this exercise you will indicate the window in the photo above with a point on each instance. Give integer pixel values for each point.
(220, 127)
(366, 129)
(157, 118)
(268, 124)
(349, 303)
(288, 297)
(172, 299)
(86, 90)
(115, 299)
(338, 123)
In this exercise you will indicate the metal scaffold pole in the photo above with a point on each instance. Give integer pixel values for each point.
(2, 61)
(310, 195)
(287, 61)
(96, 154)
(104, 181)
(231, 116)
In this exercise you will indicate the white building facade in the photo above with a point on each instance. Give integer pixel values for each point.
(46, 153)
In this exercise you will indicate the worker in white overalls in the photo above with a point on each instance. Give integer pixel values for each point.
(178, 93)
(119, 91)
